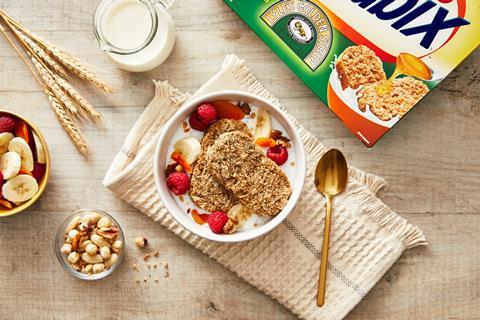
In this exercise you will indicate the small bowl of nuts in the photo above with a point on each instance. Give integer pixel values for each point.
(90, 244)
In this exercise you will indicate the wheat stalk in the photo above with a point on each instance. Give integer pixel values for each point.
(49, 65)
(69, 61)
(70, 126)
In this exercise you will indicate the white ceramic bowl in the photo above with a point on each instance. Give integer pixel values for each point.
(161, 156)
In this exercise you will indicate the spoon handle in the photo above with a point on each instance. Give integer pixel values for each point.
(323, 265)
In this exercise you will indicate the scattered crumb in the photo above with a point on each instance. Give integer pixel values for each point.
(149, 275)
(166, 273)
(180, 197)
(145, 280)
(137, 281)
(155, 266)
(135, 267)
(185, 127)
(148, 266)
(156, 280)
(252, 115)
(255, 225)
(292, 163)
(156, 254)
(188, 210)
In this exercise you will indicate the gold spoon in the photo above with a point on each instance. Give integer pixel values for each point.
(331, 177)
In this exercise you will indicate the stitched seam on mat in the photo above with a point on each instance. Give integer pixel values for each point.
(310, 247)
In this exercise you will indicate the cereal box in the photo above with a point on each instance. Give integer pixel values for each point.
(370, 61)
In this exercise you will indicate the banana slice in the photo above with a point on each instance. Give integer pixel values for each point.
(5, 138)
(20, 146)
(20, 189)
(263, 127)
(189, 148)
(10, 164)
(41, 156)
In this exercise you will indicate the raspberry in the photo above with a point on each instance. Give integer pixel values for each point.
(38, 171)
(278, 154)
(207, 113)
(195, 122)
(7, 124)
(216, 221)
(178, 182)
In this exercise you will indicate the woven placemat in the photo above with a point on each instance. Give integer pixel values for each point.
(367, 236)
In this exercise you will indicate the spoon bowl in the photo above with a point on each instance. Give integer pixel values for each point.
(331, 176)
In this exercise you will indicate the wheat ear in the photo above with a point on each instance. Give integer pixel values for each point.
(69, 61)
(53, 86)
(86, 107)
(41, 53)
(70, 126)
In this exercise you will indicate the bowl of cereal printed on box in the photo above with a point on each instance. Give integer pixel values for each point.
(229, 166)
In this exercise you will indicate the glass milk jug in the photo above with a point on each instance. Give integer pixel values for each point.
(138, 35)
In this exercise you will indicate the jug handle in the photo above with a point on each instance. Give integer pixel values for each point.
(166, 3)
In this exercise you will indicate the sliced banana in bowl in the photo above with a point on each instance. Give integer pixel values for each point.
(24, 163)
(20, 188)
(21, 147)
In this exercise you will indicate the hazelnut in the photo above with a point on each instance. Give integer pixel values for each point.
(141, 242)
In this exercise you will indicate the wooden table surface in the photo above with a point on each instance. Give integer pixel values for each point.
(431, 160)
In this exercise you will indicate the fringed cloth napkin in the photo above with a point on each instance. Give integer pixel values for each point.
(367, 236)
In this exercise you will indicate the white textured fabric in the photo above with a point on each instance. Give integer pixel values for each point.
(367, 236)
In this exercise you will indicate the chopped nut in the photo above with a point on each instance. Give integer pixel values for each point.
(66, 248)
(245, 108)
(141, 242)
(109, 233)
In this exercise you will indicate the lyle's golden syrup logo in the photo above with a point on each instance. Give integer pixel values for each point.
(304, 27)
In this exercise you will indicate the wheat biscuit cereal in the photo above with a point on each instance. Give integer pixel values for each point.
(359, 65)
(404, 94)
(205, 191)
(241, 166)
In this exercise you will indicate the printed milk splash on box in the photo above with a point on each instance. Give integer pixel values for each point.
(370, 61)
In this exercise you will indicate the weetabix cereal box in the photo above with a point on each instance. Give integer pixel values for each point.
(370, 61)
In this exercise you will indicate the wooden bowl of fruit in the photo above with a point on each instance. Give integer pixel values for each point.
(24, 163)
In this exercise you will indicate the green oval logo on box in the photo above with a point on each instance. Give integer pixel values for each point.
(304, 28)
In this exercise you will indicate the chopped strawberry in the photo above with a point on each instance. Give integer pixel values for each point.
(206, 113)
(178, 182)
(278, 154)
(7, 123)
(196, 123)
(38, 171)
(216, 221)
(22, 131)
(227, 110)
